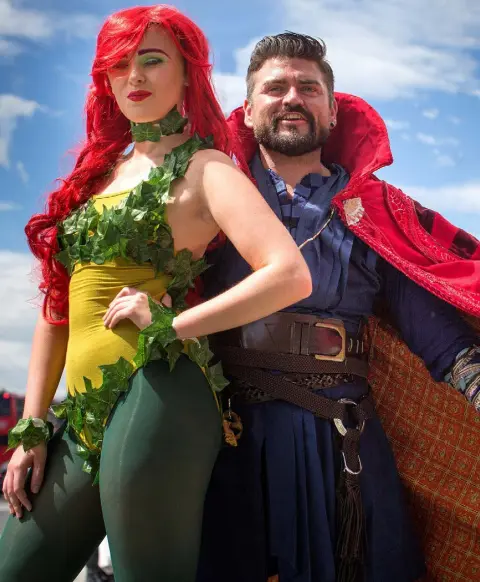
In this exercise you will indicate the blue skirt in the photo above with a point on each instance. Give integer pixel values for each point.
(270, 507)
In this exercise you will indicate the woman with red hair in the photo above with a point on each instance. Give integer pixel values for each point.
(124, 229)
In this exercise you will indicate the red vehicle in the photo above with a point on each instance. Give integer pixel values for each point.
(11, 408)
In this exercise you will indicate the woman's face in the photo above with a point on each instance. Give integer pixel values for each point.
(147, 84)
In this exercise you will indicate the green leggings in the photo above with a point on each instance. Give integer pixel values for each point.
(160, 445)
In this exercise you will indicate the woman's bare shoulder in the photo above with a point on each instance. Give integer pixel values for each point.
(205, 157)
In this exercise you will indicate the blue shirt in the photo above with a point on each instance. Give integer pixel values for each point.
(348, 277)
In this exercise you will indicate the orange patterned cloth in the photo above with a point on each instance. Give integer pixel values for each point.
(435, 436)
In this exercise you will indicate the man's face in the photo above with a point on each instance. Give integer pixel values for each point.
(290, 110)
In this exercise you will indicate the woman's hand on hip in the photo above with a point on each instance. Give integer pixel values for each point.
(130, 304)
(14, 482)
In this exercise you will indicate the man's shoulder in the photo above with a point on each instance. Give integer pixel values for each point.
(255, 164)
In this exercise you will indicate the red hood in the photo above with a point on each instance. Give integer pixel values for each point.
(359, 142)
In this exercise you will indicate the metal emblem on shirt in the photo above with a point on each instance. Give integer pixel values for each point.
(353, 210)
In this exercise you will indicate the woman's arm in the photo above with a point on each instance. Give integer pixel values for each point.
(47, 360)
(281, 276)
(45, 370)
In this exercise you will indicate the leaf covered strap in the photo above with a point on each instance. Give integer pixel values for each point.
(30, 432)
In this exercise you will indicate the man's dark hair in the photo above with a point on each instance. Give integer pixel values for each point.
(290, 45)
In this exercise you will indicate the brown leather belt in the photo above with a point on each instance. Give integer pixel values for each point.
(296, 333)
(293, 342)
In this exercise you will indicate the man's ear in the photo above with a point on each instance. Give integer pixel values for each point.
(333, 112)
(247, 108)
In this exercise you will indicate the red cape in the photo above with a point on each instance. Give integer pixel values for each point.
(420, 243)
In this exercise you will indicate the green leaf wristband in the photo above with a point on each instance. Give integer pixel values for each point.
(30, 432)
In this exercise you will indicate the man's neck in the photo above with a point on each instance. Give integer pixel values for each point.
(293, 168)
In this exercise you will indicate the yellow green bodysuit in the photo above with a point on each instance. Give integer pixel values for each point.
(116, 241)
(92, 288)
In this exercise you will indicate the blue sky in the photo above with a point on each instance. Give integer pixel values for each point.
(416, 61)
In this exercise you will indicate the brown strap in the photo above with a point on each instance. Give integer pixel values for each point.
(322, 407)
(289, 362)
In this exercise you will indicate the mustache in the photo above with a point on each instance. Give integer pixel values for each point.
(294, 109)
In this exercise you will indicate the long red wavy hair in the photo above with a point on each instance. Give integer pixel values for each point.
(108, 132)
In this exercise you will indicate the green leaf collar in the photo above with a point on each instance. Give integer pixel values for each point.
(155, 130)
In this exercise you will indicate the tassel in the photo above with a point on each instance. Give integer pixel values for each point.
(232, 426)
(350, 529)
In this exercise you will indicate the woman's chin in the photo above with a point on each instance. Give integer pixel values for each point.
(143, 118)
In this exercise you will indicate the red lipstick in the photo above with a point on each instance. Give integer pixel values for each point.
(138, 95)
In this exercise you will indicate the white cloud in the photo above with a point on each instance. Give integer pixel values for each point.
(450, 198)
(37, 25)
(13, 365)
(441, 159)
(9, 48)
(6, 206)
(11, 108)
(384, 49)
(22, 172)
(17, 318)
(455, 120)
(18, 24)
(437, 141)
(17, 291)
(396, 125)
(430, 113)
(426, 139)
(445, 161)
(81, 79)
(230, 89)
(19, 309)
(83, 26)
(449, 141)
(21, 22)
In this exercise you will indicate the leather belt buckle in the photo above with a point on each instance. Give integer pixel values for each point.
(340, 329)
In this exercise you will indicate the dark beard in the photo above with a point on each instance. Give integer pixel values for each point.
(291, 143)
